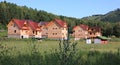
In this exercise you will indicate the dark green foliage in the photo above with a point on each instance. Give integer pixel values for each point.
(113, 16)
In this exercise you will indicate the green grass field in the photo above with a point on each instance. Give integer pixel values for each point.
(34, 52)
(48, 45)
(48, 52)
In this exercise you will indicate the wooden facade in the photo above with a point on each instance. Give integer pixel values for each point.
(54, 29)
(84, 32)
(80, 32)
(57, 29)
(23, 29)
(94, 32)
(44, 29)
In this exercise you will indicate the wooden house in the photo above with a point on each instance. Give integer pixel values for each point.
(57, 29)
(23, 29)
(44, 30)
(94, 32)
(80, 31)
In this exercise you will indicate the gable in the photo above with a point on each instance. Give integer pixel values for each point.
(60, 22)
(12, 24)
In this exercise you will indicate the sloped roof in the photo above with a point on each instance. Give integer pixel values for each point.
(103, 37)
(20, 23)
(33, 25)
(96, 28)
(75, 27)
(84, 27)
(43, 23)
(60, 22)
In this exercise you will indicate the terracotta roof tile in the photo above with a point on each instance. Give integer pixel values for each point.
(60, 22)
(85, 27)
(20, 24)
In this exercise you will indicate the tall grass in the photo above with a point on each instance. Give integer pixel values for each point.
(67, 53)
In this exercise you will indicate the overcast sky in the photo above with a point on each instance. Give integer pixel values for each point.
(71, 8)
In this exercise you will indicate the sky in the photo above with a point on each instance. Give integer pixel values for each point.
(71, 8)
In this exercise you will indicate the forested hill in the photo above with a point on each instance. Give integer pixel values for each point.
(112, 16)
(9, 11)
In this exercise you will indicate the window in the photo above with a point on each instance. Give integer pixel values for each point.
(14, 31)
(53, 33)
(90, 33)
(33, 32)
(36, 32)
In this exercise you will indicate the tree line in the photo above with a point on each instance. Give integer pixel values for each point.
(9, 11)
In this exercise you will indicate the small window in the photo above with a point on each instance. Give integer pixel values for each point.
(14, 31)
(36, 32)
(33, 32)
(90, 33)
(55, 33)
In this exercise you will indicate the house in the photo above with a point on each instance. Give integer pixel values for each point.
(44, 32)
(23, 29)
(80, 31)
(57, 29)
(94, 32)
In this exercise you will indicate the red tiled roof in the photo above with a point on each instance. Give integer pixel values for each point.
(20, 23)
(75, 27)
(33, 25)
(85, 27)
(60, 22)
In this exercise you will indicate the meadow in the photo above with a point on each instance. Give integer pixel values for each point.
(55, 52)
(47, 45)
